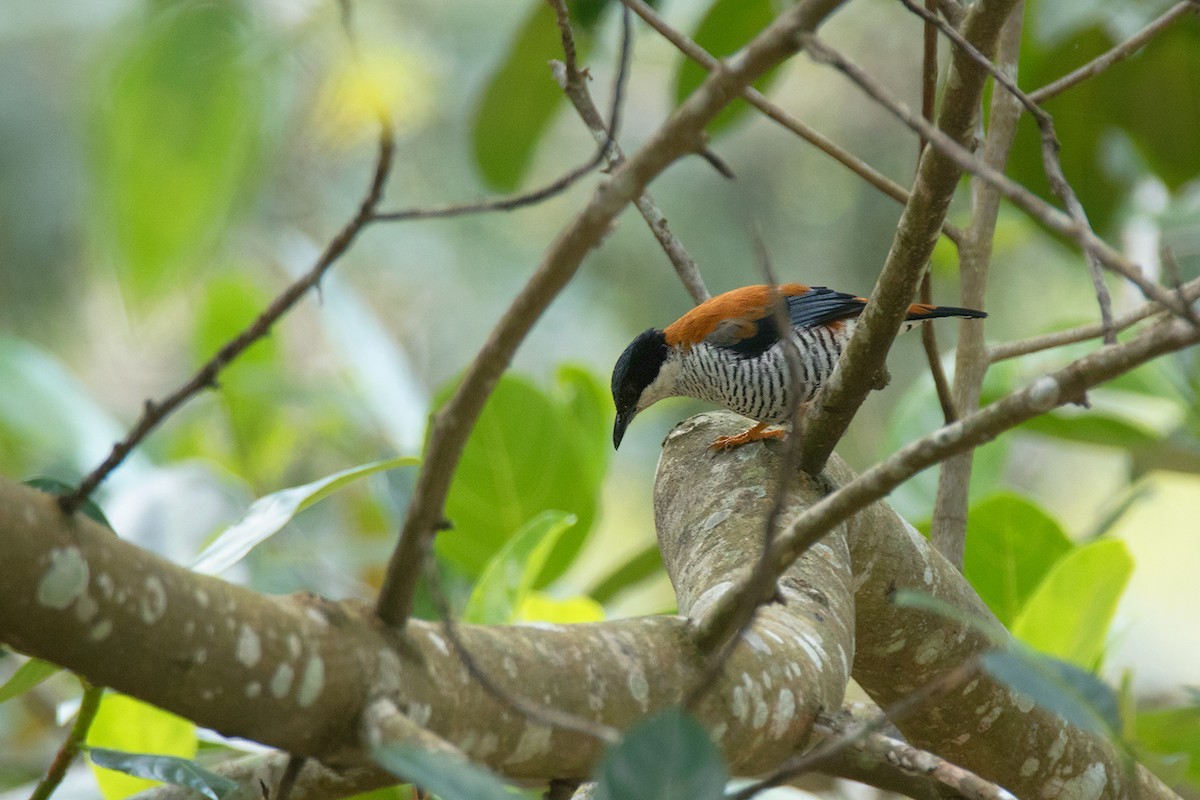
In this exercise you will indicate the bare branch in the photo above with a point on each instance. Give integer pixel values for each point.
(154, 412)
(755, 98)
(1118, 53)
(1190, 291)
(88, 706)
(574, 84)
(680, 135)
(1050, 160)
(949, 531)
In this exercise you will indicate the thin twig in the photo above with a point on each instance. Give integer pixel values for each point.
(1048, 216)
(155, 411)
(852, 735)
(532, 710)
(1050, 160)
(1190, 291)
(452, 424)
(773, 112)
(70, 748)
(1118, 53)
(933, 357)
(725, 638)
(948, 533)
(291, 772)
(574, 85)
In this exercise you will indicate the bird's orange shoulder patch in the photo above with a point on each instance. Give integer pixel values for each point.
(748, 302)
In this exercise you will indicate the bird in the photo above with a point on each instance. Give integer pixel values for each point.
(728, 350)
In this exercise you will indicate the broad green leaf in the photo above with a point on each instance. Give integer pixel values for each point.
(667, 756)
(639, 567)
(1069, 614)
(1011, 545)
(168, 769)
(56, 487)
(541, 607)
(510, 575)
(1173, 735)
(27, 676)
(1059, 686)
(442, 774)
(922, 601)
(268, 514)
(130, 725)
(175, 136)
(520, 100)
(589, 406)
(526, 454)
(728, 25)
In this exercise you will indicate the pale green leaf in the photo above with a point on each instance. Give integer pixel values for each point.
(168, 769)
(1069, 614)
(268, 514)
(510, 576)
(1011, 544)
(1059, 686)
(541, 607)
(27, 676)
(923, 601)
(442, 774)
(129, 725)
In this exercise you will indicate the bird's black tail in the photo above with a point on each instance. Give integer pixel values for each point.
(922, 311)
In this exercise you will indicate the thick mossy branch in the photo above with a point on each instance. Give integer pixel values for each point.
(981, 725)
(298, 672)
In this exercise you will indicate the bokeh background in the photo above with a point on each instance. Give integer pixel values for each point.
(168, 167)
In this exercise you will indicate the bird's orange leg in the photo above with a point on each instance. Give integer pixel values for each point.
(757, 433)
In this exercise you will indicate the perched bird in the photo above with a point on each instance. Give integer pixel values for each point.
(729, 351)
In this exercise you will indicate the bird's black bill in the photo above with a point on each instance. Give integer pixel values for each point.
(619, 426)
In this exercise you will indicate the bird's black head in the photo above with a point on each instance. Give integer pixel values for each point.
(635, 370)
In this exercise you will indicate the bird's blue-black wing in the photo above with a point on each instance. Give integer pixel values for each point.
(816, 306)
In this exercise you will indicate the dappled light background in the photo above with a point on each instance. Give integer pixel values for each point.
(167, 168)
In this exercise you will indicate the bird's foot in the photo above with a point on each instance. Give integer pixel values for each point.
(757, 433)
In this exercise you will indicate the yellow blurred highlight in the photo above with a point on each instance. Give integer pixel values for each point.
(540, 607)
(367, 85)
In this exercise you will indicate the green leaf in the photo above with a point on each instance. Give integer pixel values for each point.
(268, 514)
(1069, 614)
(590, 410)
(1059, 686)
(442, 774)
(58, 488)
(129, 725)
(923, 601)
(667, 756)
(541, 607)
(638, 568)
(1173, 736)
(27, 676)
(1011, 545)
(175, 136)
(520, 100)
(728, 25)
(168, 769)
(510, 575)
(525, 455)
